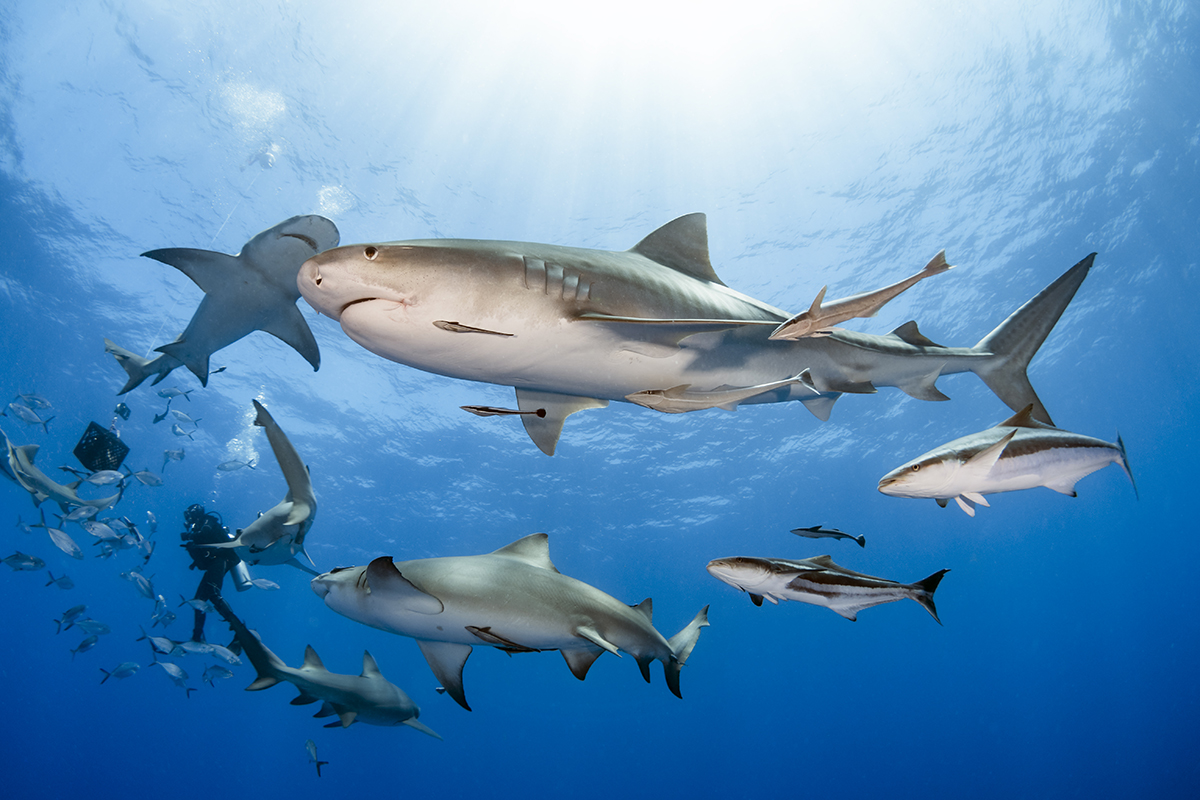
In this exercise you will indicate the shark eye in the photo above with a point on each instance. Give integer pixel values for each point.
(370, 253)
(916, 467)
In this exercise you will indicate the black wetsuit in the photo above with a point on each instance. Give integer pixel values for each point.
(213, 562)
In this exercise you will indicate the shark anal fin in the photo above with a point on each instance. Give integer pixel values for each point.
(545, 430)
(446, 659)
(303, 699)
(580, 660)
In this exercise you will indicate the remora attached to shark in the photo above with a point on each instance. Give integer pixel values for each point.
(254, 290)
(572, 328)
(1019, 453)
(369, 697)
(512, 599)
(277, 536)
(820, 582)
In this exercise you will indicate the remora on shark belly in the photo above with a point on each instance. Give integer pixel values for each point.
(571, 328)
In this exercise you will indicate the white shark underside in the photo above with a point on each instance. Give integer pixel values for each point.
(571, 328)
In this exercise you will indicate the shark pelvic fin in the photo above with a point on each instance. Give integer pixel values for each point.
(682, 245)
(533, 550)
(592, 635)
(383, 577)
(545, 430)
(446, 659)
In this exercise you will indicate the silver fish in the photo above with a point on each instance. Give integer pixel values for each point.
(23, 562)
(311, 747)
(122, 671)
(27, 415)
(177, 675)
(62, 582)
(215, 672)
(87, 644)
(230, 466)
(93, 626)
(172, 455)
(69, 616)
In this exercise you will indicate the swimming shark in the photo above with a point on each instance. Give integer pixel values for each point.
(512, 599)
(277, 536)
(1019, 453)
(820, 582)
(254, 290)
(17, 465)
(572, 328)
(369, 697)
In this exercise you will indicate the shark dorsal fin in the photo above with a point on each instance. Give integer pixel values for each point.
(28, 451)
(370, 668)
(384, 578)
(533, 550)
(822, 561)
(682, 245)
(910, 333)
(646, 608)
(311, 659)
(1022, 419)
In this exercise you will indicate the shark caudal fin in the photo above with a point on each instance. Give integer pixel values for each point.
(137, 368)
(924, 592)
(681, 647)
(266, 664)
(1125, 466)
(1015, 341)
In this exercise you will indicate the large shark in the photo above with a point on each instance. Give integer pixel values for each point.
(1019, 453)
(254, 290)
(513, 599)
(571, 328)
(277, 536)
(17, 465)
(369, 697)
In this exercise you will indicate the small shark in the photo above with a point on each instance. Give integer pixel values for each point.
(277, 536)
(820, 319)
(18, 465)
(1019, 453)
(820, 582)
(821, 532)
(369, 697)
(253, 290)
(512, 599)
(572, 329)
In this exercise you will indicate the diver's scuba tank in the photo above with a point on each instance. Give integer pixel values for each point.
(241, 577)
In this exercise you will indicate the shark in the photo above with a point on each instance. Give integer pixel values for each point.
(573, 329)
(369, 697)
(254, 290)
(513, 599)
(1018, 453)
(18, 465)
(820, 582)
(277, 536)
(821, 317)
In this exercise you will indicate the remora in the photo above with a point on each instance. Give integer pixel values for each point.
(512, 599)
(572, 328)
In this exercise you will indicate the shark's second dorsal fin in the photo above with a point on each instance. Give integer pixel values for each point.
(682, 245)
(311, 659)
(533, 550)
(370, 668)
(1023, 419)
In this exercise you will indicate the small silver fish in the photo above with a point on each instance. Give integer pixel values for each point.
(35, 401)
(81, 512)
(104, 477)
(90, 625)
(172, 393)
(62, 582)
(122, 671)
(172, 455)
(159, 644)
(230, 466)
(146, 478)
(22, 562)
(225, 654)
(184, 418)
(263, 583)
(203, 606)
(202, 648)
(85, 645)
(152, 520)
(69, 616)
(27, 415)
(215, 672)
(178, 431)
(177, 675)
(311, 747)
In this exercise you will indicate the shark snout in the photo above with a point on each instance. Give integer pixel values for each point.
(320, 585)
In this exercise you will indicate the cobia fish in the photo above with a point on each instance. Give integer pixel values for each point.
(1019, 453)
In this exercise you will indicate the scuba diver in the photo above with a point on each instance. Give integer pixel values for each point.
(201, 528)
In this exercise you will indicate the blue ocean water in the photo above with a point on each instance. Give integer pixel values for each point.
(841, 147)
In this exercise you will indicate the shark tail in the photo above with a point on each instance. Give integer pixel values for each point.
(681, 645)
(924, 592)
(1125, 466)
(266, 664)
(319, 765)
(137, 368)
(1015, 341)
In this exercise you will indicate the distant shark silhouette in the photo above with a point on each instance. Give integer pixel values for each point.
(572, 329)
(254, 290)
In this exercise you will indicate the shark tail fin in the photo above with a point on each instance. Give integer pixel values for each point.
(136, 367)
(1125, 466)
(1015, 341)
(681, 645)
(925, 589)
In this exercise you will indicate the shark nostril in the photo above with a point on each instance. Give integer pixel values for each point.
(317, 279)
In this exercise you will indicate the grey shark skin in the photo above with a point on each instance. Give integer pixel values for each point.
(1019, 453)
(821, 317)
(369, 697)
(513, 599)
(277, 536)
(17, 465)
(254, 290)
(820, 582)
(571, 328)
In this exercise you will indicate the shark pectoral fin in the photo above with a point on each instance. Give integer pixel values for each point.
(420, 726)
(195, 361)
(289, 326)
(326, 710)
(593, 636)
(383, 577)
(533, 550)
(544, 431)
(580, 660)
(977, 499)
(985, 459)
(446, 659)
(924, 387)
(207, 269)
(496, 640)
(965, 505)
(295, 563)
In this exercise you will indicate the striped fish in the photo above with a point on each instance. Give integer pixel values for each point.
(820, 582)
(1019, 453)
